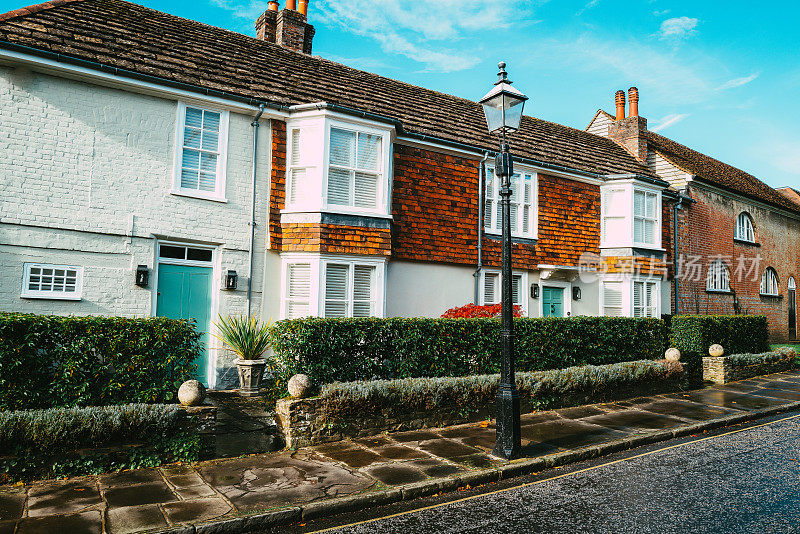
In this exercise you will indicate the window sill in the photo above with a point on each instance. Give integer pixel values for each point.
(719, 291)
(514, 239)
(201, 196)
(654, 248)
(51, 297)
(770, 296)
(375, 214)
(746, 243)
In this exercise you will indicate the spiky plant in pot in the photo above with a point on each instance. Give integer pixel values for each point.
(249, 339)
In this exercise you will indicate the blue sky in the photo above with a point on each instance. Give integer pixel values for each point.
(722, 77)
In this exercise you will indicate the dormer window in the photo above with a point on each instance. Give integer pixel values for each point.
(744, 228)
(631, 215)
(337, 166)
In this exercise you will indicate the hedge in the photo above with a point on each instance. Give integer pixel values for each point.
(344, 350)
(53, 361)
(47, 443)
(738, 334)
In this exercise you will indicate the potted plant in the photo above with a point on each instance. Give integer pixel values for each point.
(249, 339)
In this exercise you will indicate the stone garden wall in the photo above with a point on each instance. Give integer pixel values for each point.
(724, 369)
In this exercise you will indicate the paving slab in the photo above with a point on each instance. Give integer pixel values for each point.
(355, 457)
(148, 493)
(130, 519)
(729, 399)
(62, 497)
(12, 503)
(686, 409)
(568, 433)
(399, 452)
(374, 441)
(197, 510)
(415, 435)
(127, 478)
(777, 393)
(637, 420)
(435, 468)
(194, 492)
(395, 474)
(447, 448)
(82, 523)
(268, 481)
(579, 412)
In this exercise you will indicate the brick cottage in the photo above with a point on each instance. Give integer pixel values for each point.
(160, 166)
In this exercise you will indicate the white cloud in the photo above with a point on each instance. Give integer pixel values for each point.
(678, 28)
(661, 13)
(589, 5)
(668, 121)
(425, 31)
(737, 82)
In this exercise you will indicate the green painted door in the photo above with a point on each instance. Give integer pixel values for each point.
(553, 301)
(184, 292)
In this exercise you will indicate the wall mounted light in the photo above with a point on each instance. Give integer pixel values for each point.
(230, 280)
(142, 276)
(576, 293)
(534, 291)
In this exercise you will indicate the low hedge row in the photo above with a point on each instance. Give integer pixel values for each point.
(344, 350)
(765, 358)
(51, 361)
(48, 443)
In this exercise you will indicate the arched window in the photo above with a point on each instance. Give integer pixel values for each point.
(792, 285)
(744, 228)
(769, 283)
(718, 278)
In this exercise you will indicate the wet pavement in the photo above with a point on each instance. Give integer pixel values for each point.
(156, 499)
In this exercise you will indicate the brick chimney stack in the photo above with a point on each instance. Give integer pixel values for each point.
(627, 131)
(287, 28)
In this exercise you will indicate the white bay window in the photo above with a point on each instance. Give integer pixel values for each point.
(631, 215)
(627, 296)
(332, 286)
(523, 204)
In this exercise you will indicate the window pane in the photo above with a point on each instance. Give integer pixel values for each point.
(366, 190)
(211, 121)
(194, 117)
(299, 281)
(650, 232)
(191, 138)
(614, 202)
(336, 281)
(198, 254)
(189, 179)
(612, 299)
(342, 150)
(208, 162)
(638, 204)
(369, 152)
(169, 251)
(207, 181)
(363, 282)
(339, 187)
(191, 159)
(335, 309)
(650, 211)
(211, 141)
(362, 309)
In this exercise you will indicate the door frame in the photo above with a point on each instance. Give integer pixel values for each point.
(211, 374)
(566, 286)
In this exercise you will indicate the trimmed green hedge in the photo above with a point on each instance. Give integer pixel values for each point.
(737, 334)
(345, 404)
(47, 443)
(344, 350)
(51, 361)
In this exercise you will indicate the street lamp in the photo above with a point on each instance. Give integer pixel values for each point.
(503, 109)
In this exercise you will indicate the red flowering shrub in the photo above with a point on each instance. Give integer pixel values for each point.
(472, 311)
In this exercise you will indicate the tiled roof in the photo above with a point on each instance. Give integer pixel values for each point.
(131, 37)
(713, 171)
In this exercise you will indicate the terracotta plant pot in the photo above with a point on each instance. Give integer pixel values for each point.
(250, 374)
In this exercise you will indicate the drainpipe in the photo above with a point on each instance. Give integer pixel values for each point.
(481, 189)
(255, 125)
(675, 209)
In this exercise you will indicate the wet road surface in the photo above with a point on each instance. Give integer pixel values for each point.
(741, 479)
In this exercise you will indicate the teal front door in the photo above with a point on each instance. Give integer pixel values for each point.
(184, 292)
(552, 301)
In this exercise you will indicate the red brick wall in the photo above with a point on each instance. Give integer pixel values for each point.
(706, 228)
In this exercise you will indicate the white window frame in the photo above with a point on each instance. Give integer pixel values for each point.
(494, 227)
(769, 278)
(655, 305)
(27, 293)
(628, 304)
(218, 194)
(718, 278)
(623, 312)
(315, 135)
(496, 272)
(317, 264)
(626, 240)
(745, 229)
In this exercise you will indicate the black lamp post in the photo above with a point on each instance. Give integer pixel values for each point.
(503, 108)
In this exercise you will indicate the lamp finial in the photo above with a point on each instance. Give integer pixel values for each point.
(502, 76)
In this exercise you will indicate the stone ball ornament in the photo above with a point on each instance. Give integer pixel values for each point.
(716, 350)
(672, 354)
(191, 393)
(299, 386)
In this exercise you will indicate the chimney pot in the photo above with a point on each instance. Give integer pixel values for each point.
(273, 5)
(291, 4)
(633, 102)
(620, 101)
(302, 7)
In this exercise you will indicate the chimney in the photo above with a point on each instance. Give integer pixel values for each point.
(627, 131)
(287, 28)
(633, 102)
(619, 98)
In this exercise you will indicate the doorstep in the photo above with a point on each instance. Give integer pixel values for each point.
(266, 490)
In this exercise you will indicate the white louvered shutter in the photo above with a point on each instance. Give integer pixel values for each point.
(491, 293)
(298, 290)
(336, 282)
(489, 200)
(638, 299)
(363, 291)
(612, 299)
(527, 205)
(516, 289)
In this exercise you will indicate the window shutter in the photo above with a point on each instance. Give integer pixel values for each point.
(612, 299)
(363, 290)
(298, 290)
(342, 147)
(516, 289)
(339, 187)
(490, 293)
(296, 140)
(650, 299)
(638, 296)
(366, 191)
(527, 205)
(369, 152)
(336, 278)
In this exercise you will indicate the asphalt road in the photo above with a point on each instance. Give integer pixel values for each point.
(747, 481)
